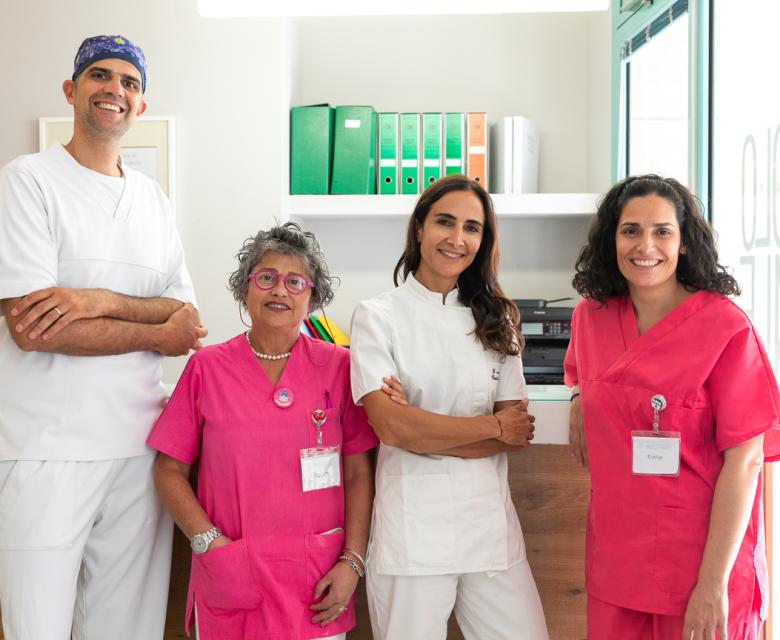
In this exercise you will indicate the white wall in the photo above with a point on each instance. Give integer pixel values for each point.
(538, 65)
(230, 82)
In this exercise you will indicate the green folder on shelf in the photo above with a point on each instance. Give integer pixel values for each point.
(388, 153)
(455, 143)
(354, 151)
(311, 145)
(410, 153)
(432, 147)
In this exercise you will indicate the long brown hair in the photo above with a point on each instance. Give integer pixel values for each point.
(496, 317)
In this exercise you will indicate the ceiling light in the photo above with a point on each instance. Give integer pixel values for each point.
(323, 8)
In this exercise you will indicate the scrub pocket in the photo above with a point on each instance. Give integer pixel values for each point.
(679, 546)
(222, 578)
(322, 552)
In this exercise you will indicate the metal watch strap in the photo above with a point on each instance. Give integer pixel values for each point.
(200, 542)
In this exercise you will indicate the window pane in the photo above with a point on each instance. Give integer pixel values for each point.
(658, 104)
(746, 184)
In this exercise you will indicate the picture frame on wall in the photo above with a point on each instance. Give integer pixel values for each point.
(148, 147)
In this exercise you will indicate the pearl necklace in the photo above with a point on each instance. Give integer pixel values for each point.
(266, 356)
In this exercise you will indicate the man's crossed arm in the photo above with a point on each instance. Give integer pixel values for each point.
(92, 322)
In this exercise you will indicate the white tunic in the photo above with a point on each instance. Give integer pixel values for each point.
(62, 224)
(436, 514)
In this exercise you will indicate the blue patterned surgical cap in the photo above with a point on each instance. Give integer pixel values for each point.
(102, 47)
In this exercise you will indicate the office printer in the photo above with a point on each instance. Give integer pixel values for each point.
(546, 331)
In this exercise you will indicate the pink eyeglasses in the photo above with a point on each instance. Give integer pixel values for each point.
(266, 279)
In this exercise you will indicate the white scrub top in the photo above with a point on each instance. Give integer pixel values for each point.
(436, 514)
(62, 224)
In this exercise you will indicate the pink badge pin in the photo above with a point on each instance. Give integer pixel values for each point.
(283, 398)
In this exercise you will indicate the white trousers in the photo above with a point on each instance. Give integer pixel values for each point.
(85, 550)
(502, 605)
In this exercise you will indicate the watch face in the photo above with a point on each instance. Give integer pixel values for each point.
(199, 543)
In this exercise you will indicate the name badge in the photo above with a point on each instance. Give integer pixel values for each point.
(320, 468)
(655, 453)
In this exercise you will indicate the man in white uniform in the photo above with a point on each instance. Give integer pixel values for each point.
(94, 292)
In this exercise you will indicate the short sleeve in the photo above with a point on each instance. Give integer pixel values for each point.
(357, 434)
(28, 254)
(371, 350)
(511, 382)
(178, 285)
(744, 394)
(177, 432)
(571, 377)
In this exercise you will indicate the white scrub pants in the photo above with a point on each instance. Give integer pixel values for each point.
(85, 549)
(494, 605)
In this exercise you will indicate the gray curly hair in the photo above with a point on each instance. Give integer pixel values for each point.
(289, 239)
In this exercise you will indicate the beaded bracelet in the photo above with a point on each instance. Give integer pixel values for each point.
(347, 560)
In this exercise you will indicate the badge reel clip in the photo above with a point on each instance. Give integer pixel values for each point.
(320, 466)
(656, 452)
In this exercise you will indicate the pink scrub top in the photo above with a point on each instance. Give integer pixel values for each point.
(222, 415)
(646, 534)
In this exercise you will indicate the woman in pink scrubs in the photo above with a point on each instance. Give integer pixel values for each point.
(680, 410)
(280, 522)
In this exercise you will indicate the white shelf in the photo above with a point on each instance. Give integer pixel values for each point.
(531, 205)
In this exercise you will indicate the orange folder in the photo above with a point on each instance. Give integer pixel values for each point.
(476, 147)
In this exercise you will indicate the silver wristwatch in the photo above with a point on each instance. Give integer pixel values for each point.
(200, 541)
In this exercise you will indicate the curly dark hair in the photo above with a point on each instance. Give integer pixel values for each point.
(291, 240)
(495, 315)
(597, 274)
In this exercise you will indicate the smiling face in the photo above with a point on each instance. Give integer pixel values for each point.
(106, 98)
(449, 240)
(648, 244)
(277, 309)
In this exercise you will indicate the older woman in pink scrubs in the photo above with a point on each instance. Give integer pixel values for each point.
(680, 410)
(280, 521)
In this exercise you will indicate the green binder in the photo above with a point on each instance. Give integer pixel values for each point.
(410, 153)
(311, 145)
(432, 147)
(455, 145)
(388, 153)
(354, 151)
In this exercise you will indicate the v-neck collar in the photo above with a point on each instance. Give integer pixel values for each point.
(678, 315)
(293, 362)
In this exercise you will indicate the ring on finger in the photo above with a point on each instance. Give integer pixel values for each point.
(59, 313)
(342, 608)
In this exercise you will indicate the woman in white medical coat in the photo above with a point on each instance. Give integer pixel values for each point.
(445, 534)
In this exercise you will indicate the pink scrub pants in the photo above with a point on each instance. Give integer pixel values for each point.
(609, 622)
